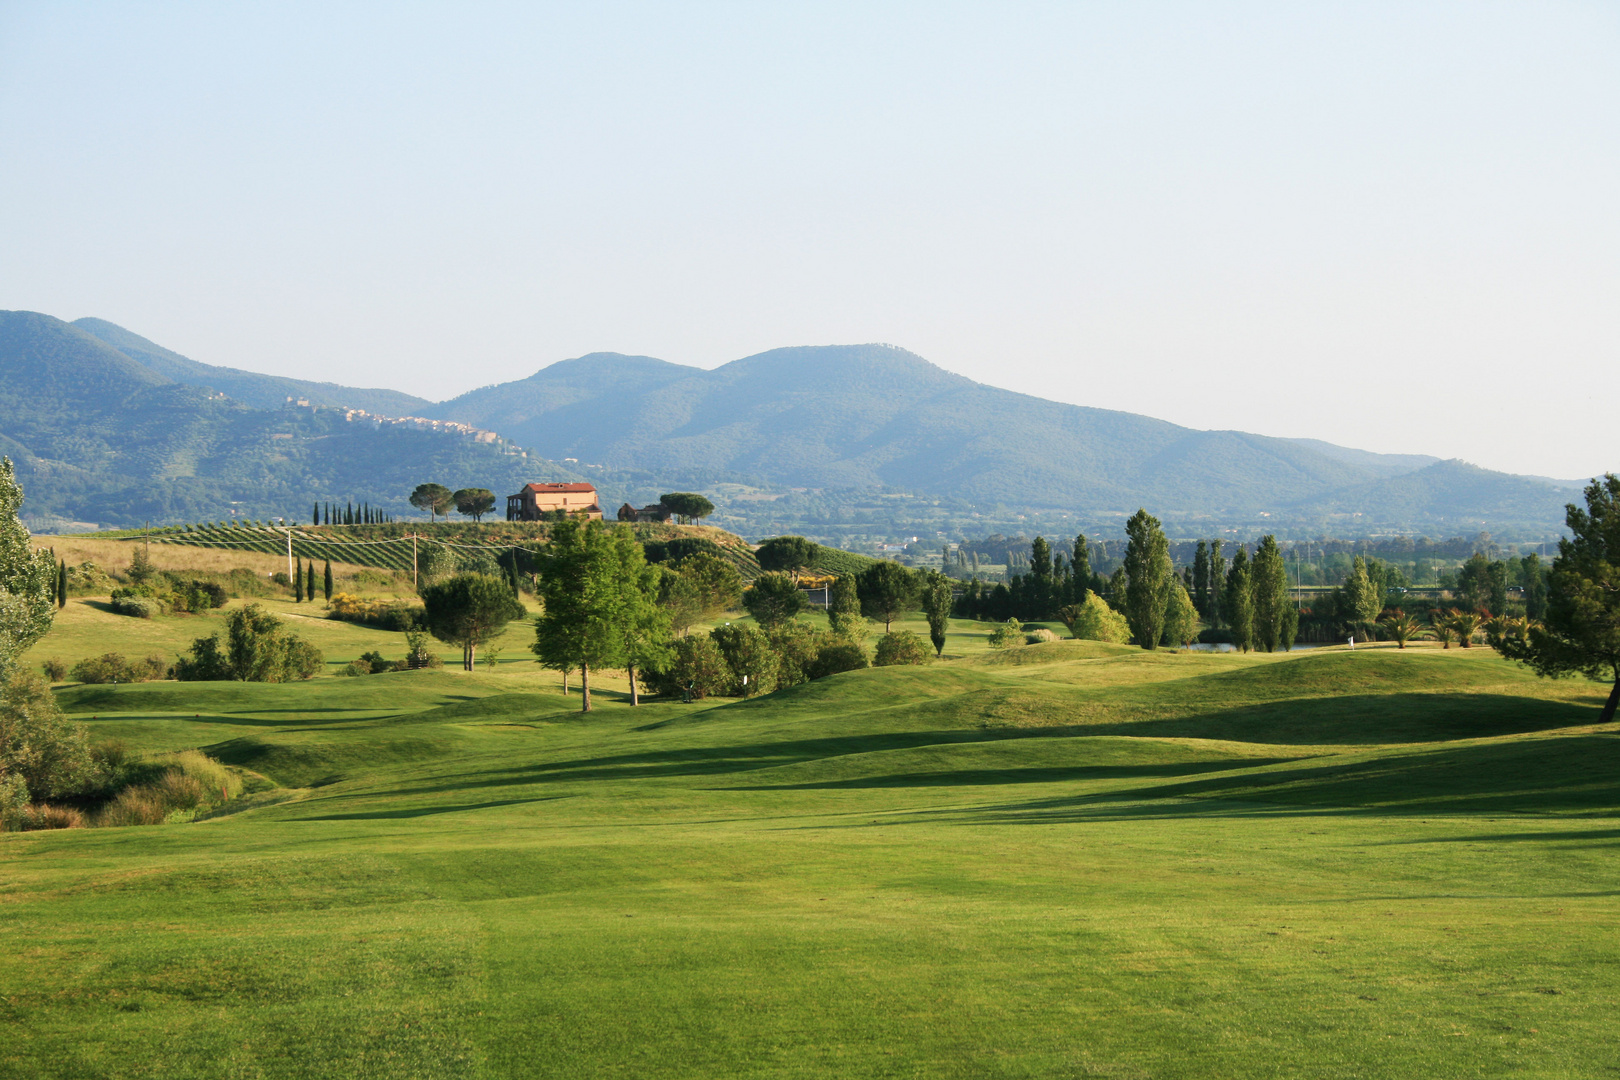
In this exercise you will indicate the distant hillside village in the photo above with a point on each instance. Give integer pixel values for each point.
(447, 427)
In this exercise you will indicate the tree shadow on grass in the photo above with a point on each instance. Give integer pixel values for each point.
(1568, 775)
(1360, 719)
(427, 811)
(1029, 775)
(710, 761)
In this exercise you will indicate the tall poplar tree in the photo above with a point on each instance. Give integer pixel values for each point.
(1217, 582)
(1200, 579)
(298, 582)
(937, 596)
(1269, 588)
(1148, 573)
(1080, 569)
(328, 582)
(1238, 606)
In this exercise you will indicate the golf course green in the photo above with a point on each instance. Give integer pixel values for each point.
(1059, 860)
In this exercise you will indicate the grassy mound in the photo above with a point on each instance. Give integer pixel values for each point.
(1066, 859)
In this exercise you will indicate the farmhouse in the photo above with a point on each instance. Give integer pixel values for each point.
(536, 500)
(656, 512)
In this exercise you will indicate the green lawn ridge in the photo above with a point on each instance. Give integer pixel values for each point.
(1062, 860)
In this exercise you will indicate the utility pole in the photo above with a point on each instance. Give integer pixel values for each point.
(414, 583)
(289, 555)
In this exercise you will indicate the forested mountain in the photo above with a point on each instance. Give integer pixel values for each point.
(248, 387)
(109, 427)
(98, 437)
(870, 416)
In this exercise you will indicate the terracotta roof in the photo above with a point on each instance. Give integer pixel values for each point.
(559, 487)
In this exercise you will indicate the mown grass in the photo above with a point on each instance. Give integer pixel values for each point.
(1068, 860)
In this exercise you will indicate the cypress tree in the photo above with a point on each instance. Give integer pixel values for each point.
(61, 585)
(1148, 578)
(1200, 579)
(329, 581)
(1238, 607)
(1217, 582)
(298, 583)
(1080, 568)
(1270, 591)
(309, 580)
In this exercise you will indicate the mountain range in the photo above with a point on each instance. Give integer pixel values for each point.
(90, 409)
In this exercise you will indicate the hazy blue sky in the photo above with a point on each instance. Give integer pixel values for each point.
(1394, 226)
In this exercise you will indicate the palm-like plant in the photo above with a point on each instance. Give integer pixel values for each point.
(1465, 624)
(1440, 627)
(1402, 628)
(1506, 628)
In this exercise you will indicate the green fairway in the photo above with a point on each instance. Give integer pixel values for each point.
(1065, 860)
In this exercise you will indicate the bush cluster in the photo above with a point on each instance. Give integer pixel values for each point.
(115, 668)
(398, 615)
(740, 660)
(256, 648)
(185, 784)
(162, 593)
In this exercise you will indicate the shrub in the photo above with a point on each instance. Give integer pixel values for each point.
(418, 654)
(797, 645)
(46, 816)
(107, 668)
(901, 647)
(189, 782)
(88, 579)
(836, 657)
(43, 754)
(55, 670)
(1006, 635)
(1094, 620)
(354, 668)
(133, 806)
(141, 607)
(699, 666)
(256, 649)
(750, 658)
(375, 662)
(398, 615)
(1039, 636)
(13, 801)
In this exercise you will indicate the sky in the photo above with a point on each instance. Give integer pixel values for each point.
(1391, 226)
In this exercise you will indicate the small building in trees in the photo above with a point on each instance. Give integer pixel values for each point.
(536, 501)
(656, 512)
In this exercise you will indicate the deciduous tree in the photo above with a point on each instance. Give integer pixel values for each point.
(1147, 567)
(584, 596)
(937, 597)
(1580, 634)
(26, 577)
(1269, 589)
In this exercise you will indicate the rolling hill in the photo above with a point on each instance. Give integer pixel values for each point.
(99, 437)
(110, 427)
(874, 416)
(250, 388)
